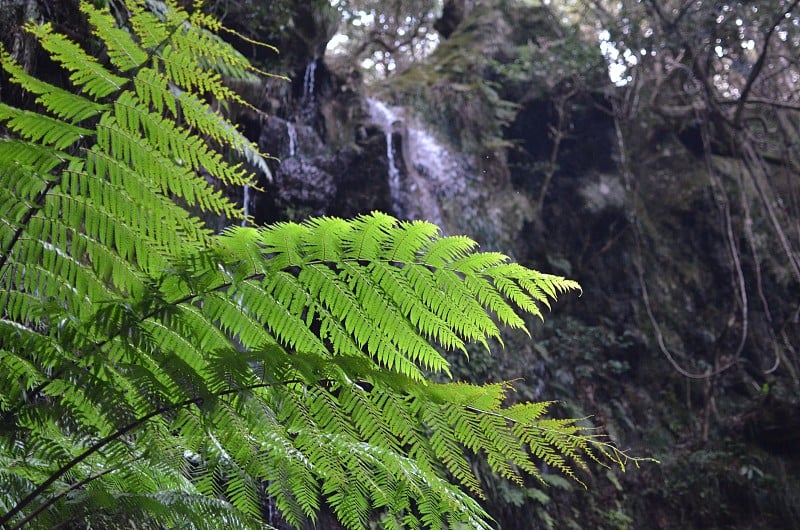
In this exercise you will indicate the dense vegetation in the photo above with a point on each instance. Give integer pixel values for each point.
(156, 373)
(669, 189)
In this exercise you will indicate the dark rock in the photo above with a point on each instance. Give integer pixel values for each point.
(275, 138)
(302, 185)
(775, 425)
(452, 15)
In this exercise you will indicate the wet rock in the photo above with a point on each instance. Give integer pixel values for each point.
(302, 185)
(286, 138)
(452, 15)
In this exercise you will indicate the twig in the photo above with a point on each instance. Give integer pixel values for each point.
(756, 70)
(97, 446)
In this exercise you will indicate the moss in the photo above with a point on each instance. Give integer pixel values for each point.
(451, 89)
(731, 487)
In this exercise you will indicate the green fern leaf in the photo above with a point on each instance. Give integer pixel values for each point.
(85, 71)
(123, 52)
(156, 371)
(65, 105)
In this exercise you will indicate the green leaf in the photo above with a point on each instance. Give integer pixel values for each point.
(156, 371)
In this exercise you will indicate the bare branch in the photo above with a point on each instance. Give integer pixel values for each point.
(756, 70)
(762, 101)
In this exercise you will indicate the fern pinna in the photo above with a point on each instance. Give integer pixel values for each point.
(156, 372)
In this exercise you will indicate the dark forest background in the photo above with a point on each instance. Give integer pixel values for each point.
(648, 149)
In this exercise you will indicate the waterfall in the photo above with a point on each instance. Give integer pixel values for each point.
(308, 80)
(385, 118)
(292, 132)
(394, 173)
(246, 203)
(443, 171)
(435, 185)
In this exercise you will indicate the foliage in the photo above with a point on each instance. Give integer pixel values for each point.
(300, 29)
(450, 90)
(386, 36)
(156, 372)
(718, 81)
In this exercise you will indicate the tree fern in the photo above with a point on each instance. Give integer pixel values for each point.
(156, 372)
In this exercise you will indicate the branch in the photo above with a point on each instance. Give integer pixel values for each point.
(558, 133)
(698, 69)
(104, 442)
(756, 70)
(379, 37)
(762, 101)
(31, 516)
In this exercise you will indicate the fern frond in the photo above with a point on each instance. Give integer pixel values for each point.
(43, 130)
(415, 300)
(443, 250)
(181, 70)
(211, 51)
(171, 141)
(431, 325)
(85, 71)
(25, 160)
(368, 236)
(197, 115)
(160, 373)
(123, 51)
(151, 28)
(408, 239)
(169, 173)
(59, 102)
(178, 227)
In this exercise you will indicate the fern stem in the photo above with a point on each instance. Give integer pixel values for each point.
(38, 204)
(60, 472)
(72, 487)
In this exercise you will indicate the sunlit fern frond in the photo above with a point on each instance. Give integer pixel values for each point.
(156, 372)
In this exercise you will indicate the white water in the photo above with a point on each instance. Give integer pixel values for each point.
(246, 203)
(436, 179)
(386, 118)
(441, 169)
(308, 80)
(292, 132)
(444, 186)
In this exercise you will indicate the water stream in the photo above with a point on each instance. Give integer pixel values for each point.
(308, 80)
(291, 131)
(246, 204)
(436, 180)
(386, 119)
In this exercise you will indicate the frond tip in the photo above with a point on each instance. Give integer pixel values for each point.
(391, 289)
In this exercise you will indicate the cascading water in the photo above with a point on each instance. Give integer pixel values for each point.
(385, 118)
(246, 203)
(436, 179)
(291, 131)
(444, 186)
(445, 174)
(308, 80)
(449, 189)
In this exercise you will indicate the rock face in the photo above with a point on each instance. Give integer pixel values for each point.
(392, 160)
